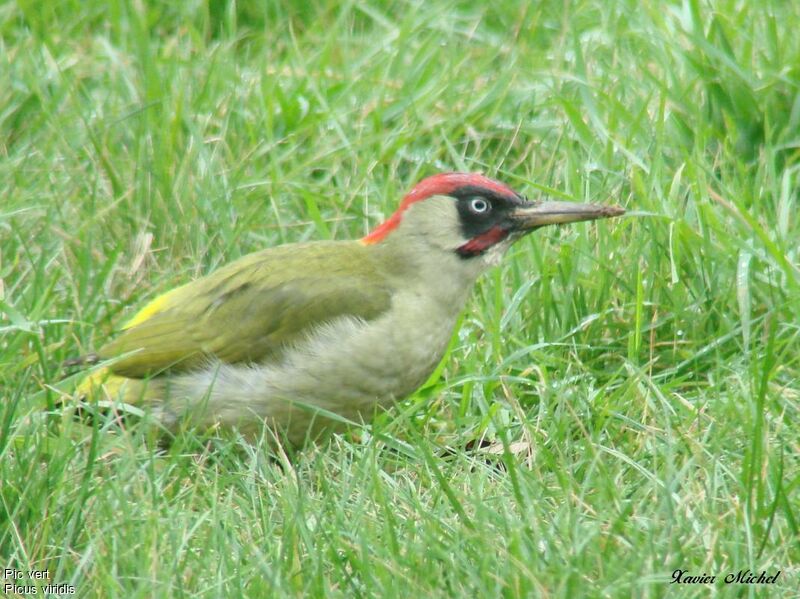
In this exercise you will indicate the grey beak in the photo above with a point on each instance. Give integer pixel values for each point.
(539, 214)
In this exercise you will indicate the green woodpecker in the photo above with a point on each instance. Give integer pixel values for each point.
(348, 327)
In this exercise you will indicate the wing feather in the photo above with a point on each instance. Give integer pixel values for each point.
(252, 309)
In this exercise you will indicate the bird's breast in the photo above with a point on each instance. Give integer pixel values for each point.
(384, 359)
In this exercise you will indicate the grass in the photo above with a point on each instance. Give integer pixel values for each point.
(637, 381)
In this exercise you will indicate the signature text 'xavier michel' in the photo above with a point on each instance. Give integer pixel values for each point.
(740, 577)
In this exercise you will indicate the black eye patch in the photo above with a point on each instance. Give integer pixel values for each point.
(480, 210)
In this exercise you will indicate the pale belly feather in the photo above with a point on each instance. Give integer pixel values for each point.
(349, 367)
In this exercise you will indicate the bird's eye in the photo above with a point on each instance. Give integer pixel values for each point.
(479, 205)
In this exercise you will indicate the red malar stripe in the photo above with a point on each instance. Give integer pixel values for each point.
(481, 243)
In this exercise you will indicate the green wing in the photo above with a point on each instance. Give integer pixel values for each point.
(252, 309)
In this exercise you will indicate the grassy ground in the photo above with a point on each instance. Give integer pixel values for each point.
(638, 380)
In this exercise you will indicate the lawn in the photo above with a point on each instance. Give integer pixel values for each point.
(621, 399)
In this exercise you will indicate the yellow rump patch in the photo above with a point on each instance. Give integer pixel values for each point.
(159, 304)
(101, 381)
(104, 385)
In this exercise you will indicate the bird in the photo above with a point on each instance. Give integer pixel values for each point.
(303, 338)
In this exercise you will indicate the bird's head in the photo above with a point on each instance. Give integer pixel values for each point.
(473, 218)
